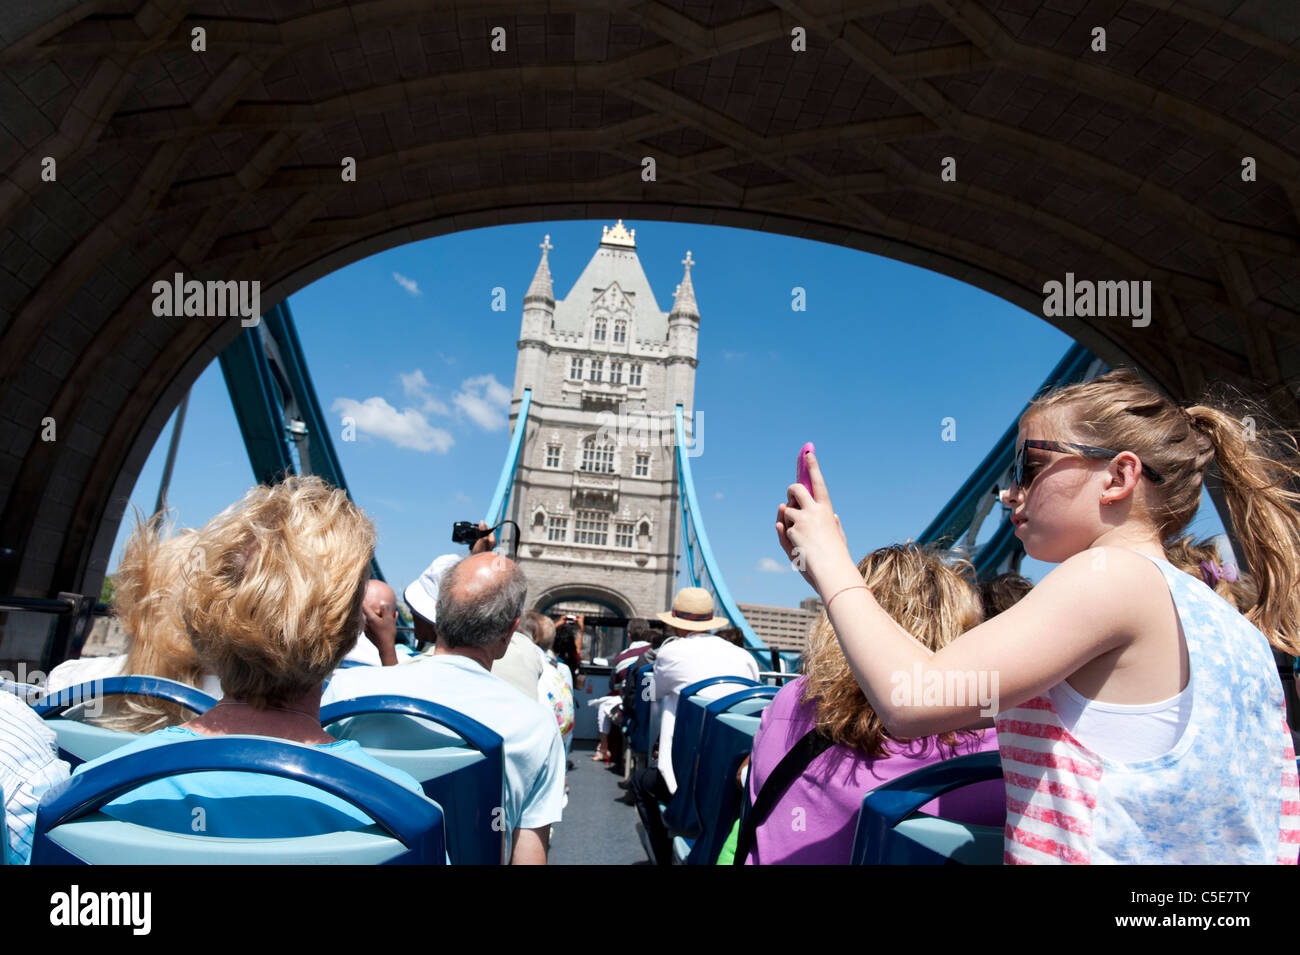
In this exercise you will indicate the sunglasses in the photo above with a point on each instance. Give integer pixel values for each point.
(1019, 479)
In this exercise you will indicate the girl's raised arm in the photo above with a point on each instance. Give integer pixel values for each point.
(1079, 611)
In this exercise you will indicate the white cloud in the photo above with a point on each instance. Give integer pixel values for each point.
(717, 495)
(769, 566)
(733, 355)
(409, 284)
(485, 401)
(406, 429)
(416, 387)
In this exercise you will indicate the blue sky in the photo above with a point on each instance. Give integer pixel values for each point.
(883, 353)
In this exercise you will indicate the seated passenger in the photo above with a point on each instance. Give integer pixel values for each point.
(29, 766)
(814, 821)
(377, 643)
(146, 601)
(552, 690)
(472, 611)
(271, 607)
(696, 655)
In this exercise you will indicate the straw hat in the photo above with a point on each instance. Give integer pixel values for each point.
(693, 610)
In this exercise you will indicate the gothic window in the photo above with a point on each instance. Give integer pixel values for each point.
(597, 458)
(597, 369)
(623, 535)
(557, 528)
(620, 332)
(591, 527)
(642, 465)
(599, 335)
(552, 455)
(643, 536)
(575, 369)
(616, 373)
(634, 373)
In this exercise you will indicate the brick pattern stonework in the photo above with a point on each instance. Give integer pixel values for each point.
(225, 163)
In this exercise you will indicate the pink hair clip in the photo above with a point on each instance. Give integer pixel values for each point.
(1212, 573)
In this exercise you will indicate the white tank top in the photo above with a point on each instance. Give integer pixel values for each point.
(1125, 732)
(1225, 792)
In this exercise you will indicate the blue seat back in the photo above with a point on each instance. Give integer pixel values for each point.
(70, 830)
(892, 832)
(729, 728)
(688, 728)
(639, 738)
(464, 773)
(81, 742)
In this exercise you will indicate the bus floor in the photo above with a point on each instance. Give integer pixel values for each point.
(596, 829)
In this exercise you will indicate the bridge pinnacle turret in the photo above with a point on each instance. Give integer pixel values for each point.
(684, 297)
(542, 289)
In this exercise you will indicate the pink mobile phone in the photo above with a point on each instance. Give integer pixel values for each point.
(801, 466)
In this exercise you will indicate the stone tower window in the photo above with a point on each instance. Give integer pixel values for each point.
(634, 373)
(597, 458)
(575, 369)
(620, 332)
(599, 334)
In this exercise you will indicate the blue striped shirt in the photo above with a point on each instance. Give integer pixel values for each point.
(29, 767)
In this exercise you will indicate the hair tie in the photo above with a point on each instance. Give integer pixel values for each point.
(1212, 573)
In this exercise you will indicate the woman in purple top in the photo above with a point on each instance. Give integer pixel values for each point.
(814, 822)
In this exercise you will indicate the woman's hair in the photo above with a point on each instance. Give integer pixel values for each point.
(1258, 465)
(927, 597)
(566, 646)
(1201, 559)
(272, 601)
(147, 605)
(1003, 592)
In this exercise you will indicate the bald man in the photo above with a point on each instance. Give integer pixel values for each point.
(377, 643)
(476, 605)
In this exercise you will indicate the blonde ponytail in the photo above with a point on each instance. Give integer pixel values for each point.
(1258, 471)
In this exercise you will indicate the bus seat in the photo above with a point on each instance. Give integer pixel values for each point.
(728, 738)
(80, 742)
(459, 762)
(70, 830)
(638, 739)
(892, 832)
(679, 815)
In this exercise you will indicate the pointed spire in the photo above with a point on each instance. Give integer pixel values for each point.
(684, 297)
(542, 287)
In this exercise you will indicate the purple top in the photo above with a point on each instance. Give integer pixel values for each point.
(815, 821)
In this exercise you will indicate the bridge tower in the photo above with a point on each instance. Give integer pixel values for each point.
(595, 492)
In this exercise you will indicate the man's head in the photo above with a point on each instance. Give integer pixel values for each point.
(692, 612)
(380, 600)
(539, 627)
(479, 602)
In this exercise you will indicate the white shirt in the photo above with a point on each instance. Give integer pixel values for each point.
(29, 767)
(534, 754)
(88, 669)
(685, 661)
(522, 666)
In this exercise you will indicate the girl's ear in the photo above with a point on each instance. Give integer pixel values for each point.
(1124, 472)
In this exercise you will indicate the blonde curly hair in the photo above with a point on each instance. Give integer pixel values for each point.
(274, 584)
(930, 598)
(146, 602)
